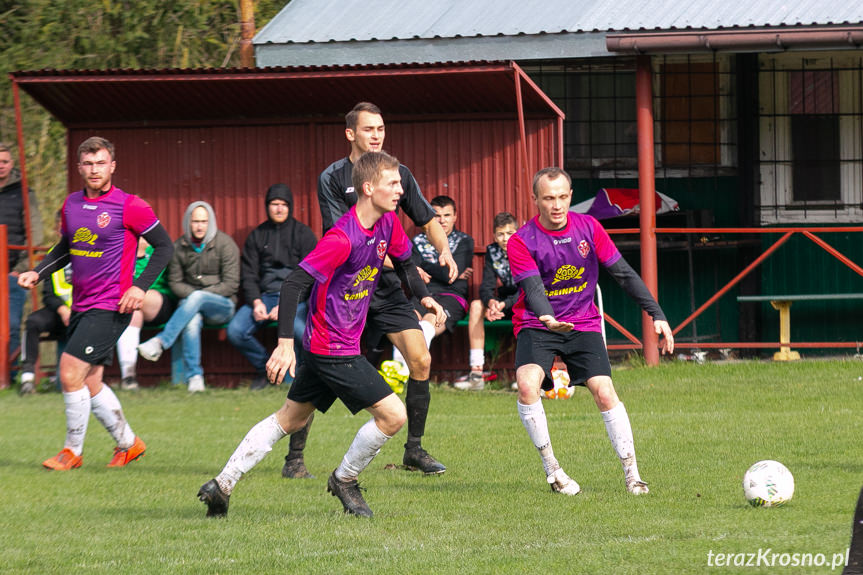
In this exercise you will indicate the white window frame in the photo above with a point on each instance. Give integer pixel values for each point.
(775, 165)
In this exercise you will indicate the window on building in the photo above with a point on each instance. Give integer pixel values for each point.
(811, 164)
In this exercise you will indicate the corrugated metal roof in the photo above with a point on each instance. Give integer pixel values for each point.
(321, 21)
(106, 97)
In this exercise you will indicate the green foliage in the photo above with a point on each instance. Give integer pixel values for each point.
(106, 34)
(697, 429)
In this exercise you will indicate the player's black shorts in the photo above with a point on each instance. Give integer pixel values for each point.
(94, 333)
(451, 305)
(323, 378)
(392, 313)
(165, 312)
(583, 352)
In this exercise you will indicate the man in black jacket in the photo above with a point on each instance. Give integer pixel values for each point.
(271, 252)
(12, 216)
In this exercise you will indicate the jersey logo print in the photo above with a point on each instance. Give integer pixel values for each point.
(84, 235)
(103, 219)
(367, 274)
(382, 249)
(583, 248)
(567, 272)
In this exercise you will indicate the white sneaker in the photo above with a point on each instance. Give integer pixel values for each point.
(151, 349)
(196, 383)
(562, 483)
(474, 382)
(637, 487)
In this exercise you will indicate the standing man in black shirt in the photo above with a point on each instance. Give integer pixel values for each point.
(390, 313)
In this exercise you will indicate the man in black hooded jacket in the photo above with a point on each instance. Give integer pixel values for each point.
(271, 252)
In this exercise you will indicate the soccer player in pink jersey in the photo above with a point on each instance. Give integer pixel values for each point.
(555, 259)
(339, 277)
(99, 236)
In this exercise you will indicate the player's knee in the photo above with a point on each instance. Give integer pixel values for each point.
(476, 308)
(419, 364)
(392, 420)
(605, 395)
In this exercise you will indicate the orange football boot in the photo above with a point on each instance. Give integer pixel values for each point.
(63, 461)
(125, 456)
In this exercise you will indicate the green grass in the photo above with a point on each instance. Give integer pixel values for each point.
(697, 429)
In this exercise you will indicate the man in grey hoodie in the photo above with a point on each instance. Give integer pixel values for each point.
(204, 274)
(271, 252)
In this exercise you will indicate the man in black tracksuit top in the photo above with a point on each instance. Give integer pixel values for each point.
(391, 313)
(271, 252)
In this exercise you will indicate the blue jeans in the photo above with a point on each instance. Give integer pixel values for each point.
(17, 297)
(187, 321)
(242, 329)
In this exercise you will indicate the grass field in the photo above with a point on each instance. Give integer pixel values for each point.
(697, 429)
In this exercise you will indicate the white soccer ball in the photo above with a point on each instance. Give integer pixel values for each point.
(561, 389)
(768, 483)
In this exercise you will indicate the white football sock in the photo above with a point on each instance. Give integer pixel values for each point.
(108, 411)
(259, 441)
(534, 421)
(367, 443)
(77, 418)
(127, 350)
(477, 358)
(620, 433)
(428, 332)
(397, 356)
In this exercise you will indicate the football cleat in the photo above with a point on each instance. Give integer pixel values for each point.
(129, 384)
(295, 468)
(63, 461)
(417, 458)
(123, 457)
(474, 382)
(637, 487)
(349, 494)
(216, 500)
(560, 482)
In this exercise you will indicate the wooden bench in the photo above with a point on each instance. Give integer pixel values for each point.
(782, 303)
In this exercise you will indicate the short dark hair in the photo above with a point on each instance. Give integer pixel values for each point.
(4, 147)
(503, 219)
(352, 117)
(442, 202)
(369, 166)
(94, 144)
(551, 173)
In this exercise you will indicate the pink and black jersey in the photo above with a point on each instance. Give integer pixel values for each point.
(103, 241)
(346, 265)
(567, 261)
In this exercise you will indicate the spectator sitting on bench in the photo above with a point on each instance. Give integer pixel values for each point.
(204, 274)
(53, 318)
(271, 252)
(451, 296)
(497, 294)
(156, 309)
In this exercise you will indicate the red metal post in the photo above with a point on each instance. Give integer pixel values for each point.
(4, 309)
(647, 199)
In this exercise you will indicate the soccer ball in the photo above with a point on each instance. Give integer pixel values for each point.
(768, 483)
(561, 389)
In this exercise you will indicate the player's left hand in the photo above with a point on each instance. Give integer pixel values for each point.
(274, 314)
(556, 326)
(133, 299)
(662, 328)
(446, 260)
(282, 361)
(434, 307)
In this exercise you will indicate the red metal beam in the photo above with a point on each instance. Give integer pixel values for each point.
(4, 309)
(833, 252)
(522, 132)
(647, 195)
(734, 281)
